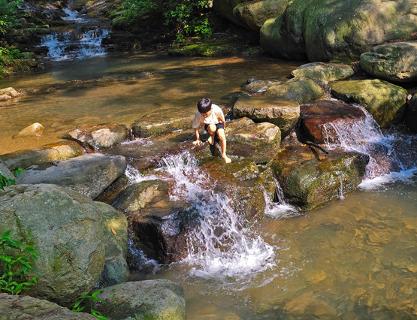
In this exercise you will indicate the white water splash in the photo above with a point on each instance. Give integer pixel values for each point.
(220, 246)
(72, 16)
(134, 176)
(279, 209)
(389, 160)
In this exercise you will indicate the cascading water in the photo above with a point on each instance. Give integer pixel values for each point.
(391, 157)
(221, 246)
(83, 41)
(279, 209)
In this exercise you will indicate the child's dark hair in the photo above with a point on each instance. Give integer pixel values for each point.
(204, 105)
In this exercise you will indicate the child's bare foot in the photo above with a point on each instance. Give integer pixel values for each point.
(226, 159)
(210, 140)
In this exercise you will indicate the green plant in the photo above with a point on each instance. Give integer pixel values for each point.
(4, 181)
(8, 13)
(16, 264)
(85, 301)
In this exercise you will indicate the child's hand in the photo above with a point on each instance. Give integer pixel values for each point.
(197, 142)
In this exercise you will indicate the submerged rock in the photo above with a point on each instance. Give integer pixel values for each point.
(100, 136)
(309, 182)
(14, 307)
(282, 113)
(143, 300)
(147, 128)
(314, 116)
(255, 141)
(77, 238)
(34, 130)
(324, 72)
(47, 154)
(393, 61)
(88, 174)
(300, 90)
(385, 101)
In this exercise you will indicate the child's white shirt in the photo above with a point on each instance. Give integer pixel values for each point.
(213, 118)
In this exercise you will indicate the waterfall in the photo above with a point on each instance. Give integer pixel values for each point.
(221, 246)
(280, 208)
(389, 154)
(81, 43)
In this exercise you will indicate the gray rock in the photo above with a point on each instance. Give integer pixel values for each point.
(259, 86)
(89, 174)
(76, 238)
(101, 136)
(323, 72)
(300, 90)
(25, 307)
(4, 171)
(143, 300)
(146, 128)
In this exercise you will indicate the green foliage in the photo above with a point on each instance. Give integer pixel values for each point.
(131, 10)
(5, 182)
(8, 11)
(16, 263)
(85, 301)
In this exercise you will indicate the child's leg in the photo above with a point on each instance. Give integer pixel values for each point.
(222, 138)
(211, 130)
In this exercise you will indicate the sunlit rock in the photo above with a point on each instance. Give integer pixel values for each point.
(8, 94)
(323, 72)
(146, 128)
(300, 90)
(34, 130)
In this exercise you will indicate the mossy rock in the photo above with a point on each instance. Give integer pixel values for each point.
(147, 128)
(300, 90)
(385, 101)
(393, 61)
(323, 72)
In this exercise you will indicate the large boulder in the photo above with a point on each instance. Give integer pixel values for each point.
(314, 118)
(300, 90)
(47, 154)
(89, 174)
(253, 14)
(393, 61)
(225, 9)
(309, 182)
(14, 307)
(323, 72)
(411, 114)
(321, 30)
(282, 113)
(255, 141)
(100, 136)
(383, 100)
(75, 237)
(143, 300)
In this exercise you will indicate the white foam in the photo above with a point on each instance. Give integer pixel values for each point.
(404, 176)
(134, 175)
(280, 209)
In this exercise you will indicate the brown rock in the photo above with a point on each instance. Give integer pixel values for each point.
(34, 130)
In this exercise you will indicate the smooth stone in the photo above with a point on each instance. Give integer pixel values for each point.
(146, 128)
(89, 174)
(385, 101)
(282, 113)
(258, 86)
(13, 307)
(47, 154)
(79, 240)
(393, 61)
(100, 136)
(143, 300)
(34, 130)
(324, 72)
(300, 90)
(314, 116)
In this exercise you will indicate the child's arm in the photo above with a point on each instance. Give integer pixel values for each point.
(196, 126)
(221, 118)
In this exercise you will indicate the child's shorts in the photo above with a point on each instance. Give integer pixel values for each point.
(218, 126)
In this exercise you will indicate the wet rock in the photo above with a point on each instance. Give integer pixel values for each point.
(147, 128)
(110, 194)
(411, 114)
(300, 90)
(100, 136)
(282, 113)
(77, 238)
(14, 307)
(385, 101)
(88, 174)
(309, 182)
(255, 141)
(323, 72)
(259, 86)
(254, 14)
(329, 29)
(149, 299)
(34, 130)
(5, 171)
(393, 61)
(314, 116)
(47, 154)
(9, 93)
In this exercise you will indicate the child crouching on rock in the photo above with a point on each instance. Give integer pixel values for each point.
(212, 118)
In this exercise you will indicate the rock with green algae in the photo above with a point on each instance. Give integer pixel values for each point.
(207, 49)
(385, 101)
(321, 30)
(300, 90)
(323, 72)
(14, 307)
(281, 112)
(80, 242)
(309, 182)
(144, 128)
(143, 300)
(62, 150)
(393, 61)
